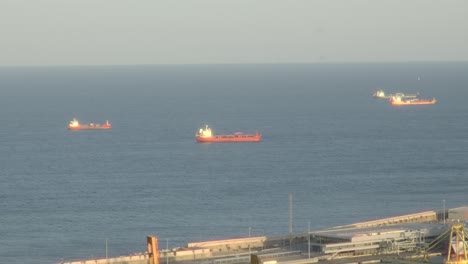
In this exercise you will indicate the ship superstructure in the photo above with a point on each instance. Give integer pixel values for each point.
(75, 125)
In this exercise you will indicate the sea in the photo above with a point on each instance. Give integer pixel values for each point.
(341, 155)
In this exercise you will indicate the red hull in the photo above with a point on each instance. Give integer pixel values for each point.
(230, 138)
(414, 102)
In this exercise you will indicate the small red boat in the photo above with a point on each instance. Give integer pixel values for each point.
(395, 100)
(207, 135)
(75, 125)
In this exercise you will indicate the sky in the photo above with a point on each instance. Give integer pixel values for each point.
(128, 32)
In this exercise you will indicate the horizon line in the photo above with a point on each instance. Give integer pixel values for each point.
(226, 64)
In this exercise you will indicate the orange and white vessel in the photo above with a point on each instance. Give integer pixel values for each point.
(207, 135)
(75, 125)
(397, 100)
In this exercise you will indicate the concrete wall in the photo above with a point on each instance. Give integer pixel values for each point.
(187, 254)
(424, 217)
(134, 259)
(230, 244)
(460, 213)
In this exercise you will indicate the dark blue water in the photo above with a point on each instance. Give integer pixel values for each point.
(343, 155)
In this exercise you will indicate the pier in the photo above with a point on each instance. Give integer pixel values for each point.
(401, 239)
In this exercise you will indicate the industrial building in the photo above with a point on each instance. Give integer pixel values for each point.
(375, 240)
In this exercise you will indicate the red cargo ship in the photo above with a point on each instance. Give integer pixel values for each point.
(399, 101)
(206, 135)
(75, 125)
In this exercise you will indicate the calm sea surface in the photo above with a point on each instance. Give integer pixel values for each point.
(344, 156)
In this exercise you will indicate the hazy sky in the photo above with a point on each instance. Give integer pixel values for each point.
(57, 32)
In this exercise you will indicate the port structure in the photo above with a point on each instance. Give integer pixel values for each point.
(153, 251)
(457, 250)
(399, 239)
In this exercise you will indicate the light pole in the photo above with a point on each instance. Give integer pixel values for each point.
(308, 238)
(443, 201)
(106, 249)
(167, 251)
(290, 218)
(250, 230)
